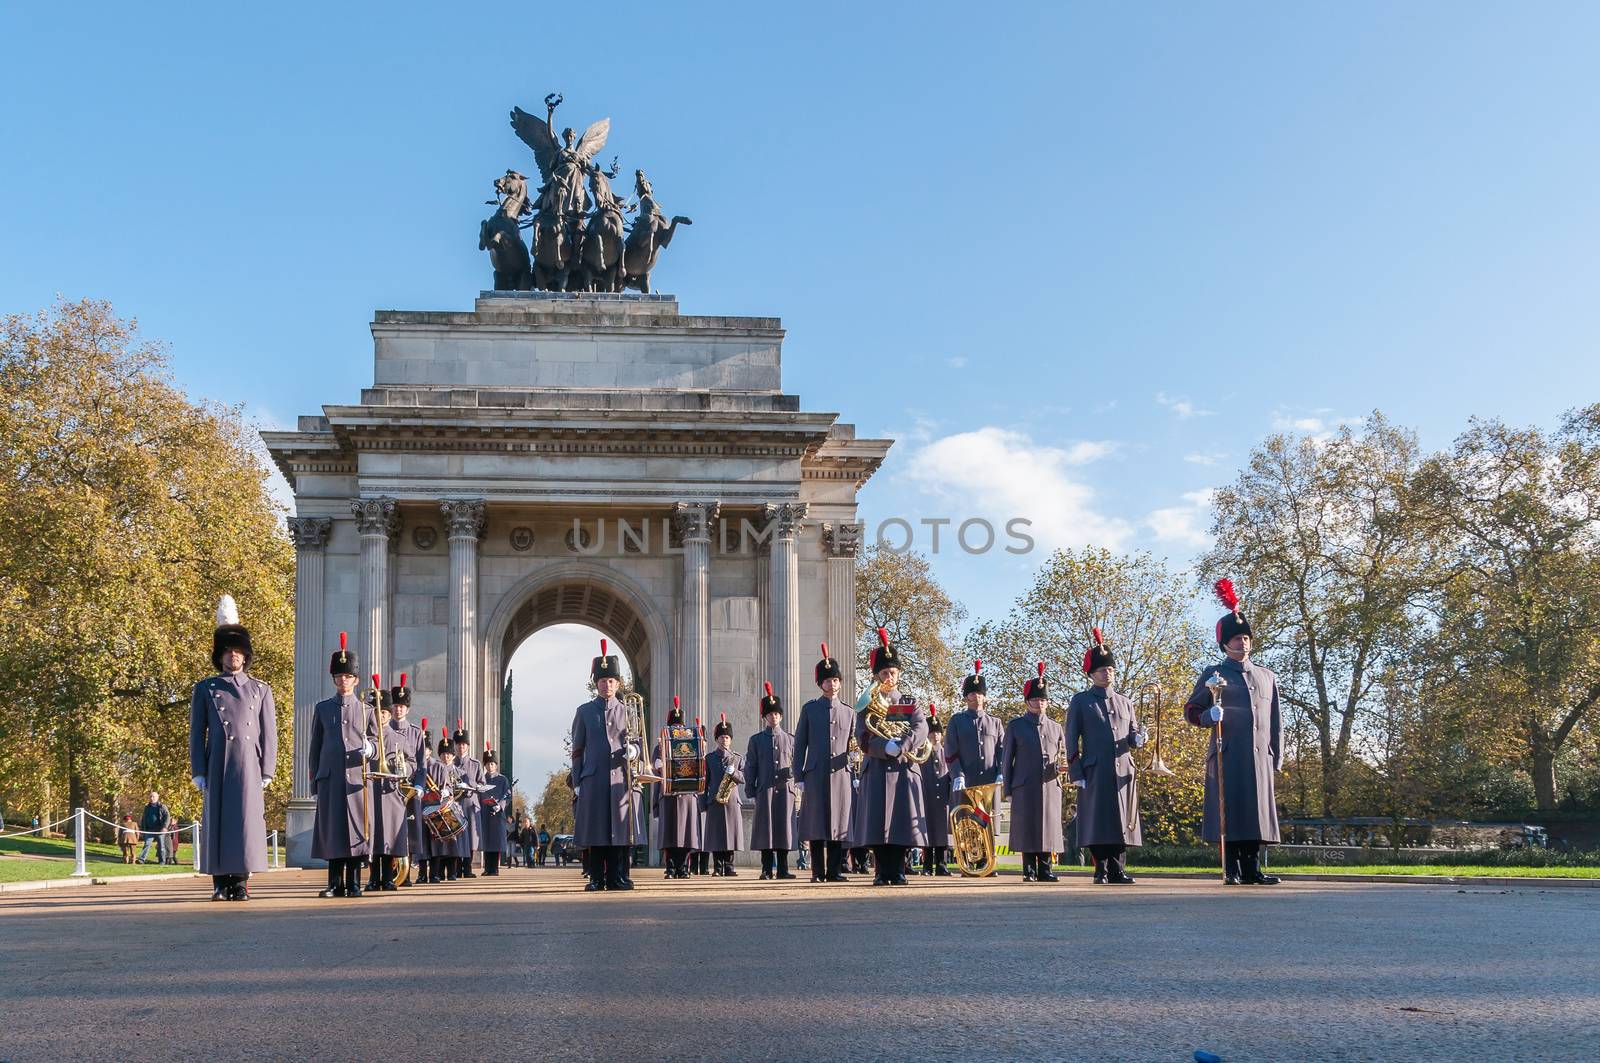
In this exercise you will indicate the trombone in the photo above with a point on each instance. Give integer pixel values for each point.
(637, 767)
(1151, 692)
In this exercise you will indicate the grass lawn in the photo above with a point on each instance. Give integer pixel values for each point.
(1462, 871)
(31, 858)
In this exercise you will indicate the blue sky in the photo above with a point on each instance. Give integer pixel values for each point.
(1076, 259)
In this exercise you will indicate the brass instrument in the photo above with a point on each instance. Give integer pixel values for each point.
(726, 786)
(972, 831)
(1146, 693)
(637, 768)
(875, 704)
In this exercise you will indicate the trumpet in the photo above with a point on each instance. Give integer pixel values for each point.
(1146, 693)
(639, 768)
(875, 704)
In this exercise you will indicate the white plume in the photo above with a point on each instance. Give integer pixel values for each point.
(227, 610)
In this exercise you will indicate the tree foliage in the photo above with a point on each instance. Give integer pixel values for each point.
(898, 592)
(127, 511)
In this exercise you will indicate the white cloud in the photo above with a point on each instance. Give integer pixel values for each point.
(1183, 525)
(1207, 460)
(549, 671)
(1314, 423)
(1181, 406)
(999, 473)
(956, 362)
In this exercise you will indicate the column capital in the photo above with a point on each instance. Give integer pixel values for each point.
(842, 540)
(786, 518)
(376, 516)
(310, 533)
(464, 518)
(692, 520)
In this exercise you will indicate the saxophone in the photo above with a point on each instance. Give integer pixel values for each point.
(875, 704)
(725, 787)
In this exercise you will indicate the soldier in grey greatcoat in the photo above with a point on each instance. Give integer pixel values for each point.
(677, 815)
(439, 779)
(936, 801)
(339, 747)
(389, 828)
(822, 771)
(892, 816)
(1246, 707)
(495, 806)
(471, 769)
(769, 782)
(1029, 762)
(1103, 730)
(414, 741)
(233, 751)
(724, 823)
(606, 812)
(972, 744)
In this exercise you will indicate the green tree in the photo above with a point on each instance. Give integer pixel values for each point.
(554, 808)
(1333, 556)
(1142, 609)
(127, 510)
(898, 593)
(1519, 616)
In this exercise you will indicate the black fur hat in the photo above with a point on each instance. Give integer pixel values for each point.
(605, 666)
(827, 668)
(400, 695)
(934, 724)
(975, 683)
(675, 714)
(343, 661)
(884, 655)
(770, 703)
(1098, 655)
(230, 634)
(723, 727)
(1036, 688)
(1233, 622)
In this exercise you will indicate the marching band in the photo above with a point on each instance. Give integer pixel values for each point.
(887, 776)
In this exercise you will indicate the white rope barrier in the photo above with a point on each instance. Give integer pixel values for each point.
(36, 830)
(79, 820)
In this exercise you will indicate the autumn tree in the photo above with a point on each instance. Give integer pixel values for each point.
(898, 592)
(1333, 556)
(127, 510)
(553, 811)
(1519, 617)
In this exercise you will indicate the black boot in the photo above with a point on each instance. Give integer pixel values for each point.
(1117, 871)
(941, 862)
(1250, 872)
(727, 864)
(335, 880)
(1029, 868)
(617, 863)
(927, 859)
(1044, 872)
(783, 864)
(352, 877)
(219, 887)
(835, 854)
(1230, 871)
(237, 888)
(819, 862)
(881, 875)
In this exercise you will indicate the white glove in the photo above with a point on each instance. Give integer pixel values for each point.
(1000, 780)
(892, 748)
(630, 751)
(199, 782)
(1214, 714)
(855, 782)
(576, 790)
(266, 782)
(799, 786)
(367, 749)
(958, 783)
(1139, 738)
(1079, 783)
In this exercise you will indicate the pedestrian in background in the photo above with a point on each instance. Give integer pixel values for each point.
(128, 839)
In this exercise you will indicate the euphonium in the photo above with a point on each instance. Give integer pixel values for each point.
(875, 704)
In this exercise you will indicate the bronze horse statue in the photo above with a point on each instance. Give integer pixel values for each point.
(600, 257)
(650, 233)
(501, 235)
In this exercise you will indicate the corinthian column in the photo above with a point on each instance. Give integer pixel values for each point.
(783, 599)
(310, 538)
(378, 521)
(842, 542)
(691, 523)
(464, 523)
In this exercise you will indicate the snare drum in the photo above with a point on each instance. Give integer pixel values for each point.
(443, 820)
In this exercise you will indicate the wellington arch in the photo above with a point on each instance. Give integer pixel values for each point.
(585, 458)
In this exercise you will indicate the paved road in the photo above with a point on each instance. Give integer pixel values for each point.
(746, 970)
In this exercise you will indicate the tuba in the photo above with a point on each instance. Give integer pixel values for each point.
(875, 704)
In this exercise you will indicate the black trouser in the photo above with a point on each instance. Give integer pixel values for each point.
(221, 882)
(1243, 857)
(701, 861)
(932, 858)
(1109, 860)
(819, 861)
(491, 863)
(677, 860)
(858, 859)
(891, 862)
(778, 857)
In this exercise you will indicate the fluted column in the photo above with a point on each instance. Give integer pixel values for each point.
(842, 542)
(691, 523)
(783, 600)
(377, 521)
(310, 538)
(464, 524)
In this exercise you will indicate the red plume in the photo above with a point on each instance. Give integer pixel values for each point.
(1227, 596)
(1088, 660)
(344, 639)
(1041, 669)
(722, 717)
(402, 679)
(883, 638)
(602, 647)
(376, 682)
(486, 745)
(769, 689)
(1099, 639)
(824, 649)
(458, 723)
(424, 727)
(933, 710)
(977, 666)
(674, 701)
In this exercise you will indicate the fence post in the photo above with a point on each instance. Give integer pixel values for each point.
(275, 864)
(194, 841)
(82, 868)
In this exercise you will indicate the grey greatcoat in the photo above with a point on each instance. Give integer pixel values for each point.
(891, 808)
(724, 826)
(821, 745)
(599, 771)
(1033, 785)
(496, 805)
(972, 746)
(411, 739)
(936, 798)
(233, 745)
(438, 778)
(390, 835)
(677, 815)
(339, 727)
(769, 782)
(1252, 750)
(471, 809)
(1100, 729)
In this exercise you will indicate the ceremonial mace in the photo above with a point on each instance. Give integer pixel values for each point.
(1215, 685)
